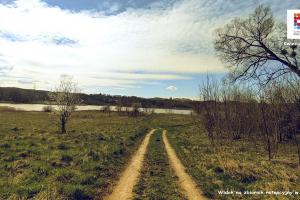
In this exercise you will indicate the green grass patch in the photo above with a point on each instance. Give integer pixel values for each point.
(38, 162)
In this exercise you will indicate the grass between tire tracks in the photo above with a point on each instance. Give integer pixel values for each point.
(157, 179)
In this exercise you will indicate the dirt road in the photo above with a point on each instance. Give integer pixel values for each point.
(129, 177)
(185, 181)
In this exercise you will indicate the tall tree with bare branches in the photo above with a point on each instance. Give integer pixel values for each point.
(253, 48)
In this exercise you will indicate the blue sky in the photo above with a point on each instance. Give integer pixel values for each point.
(149, 48)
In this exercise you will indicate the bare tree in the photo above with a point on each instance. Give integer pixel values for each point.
(209, 111)
(119, 107)
(136, 109)
(269, 121)
(254, 47)
(107, 110)
(293, 95)
(66, 97)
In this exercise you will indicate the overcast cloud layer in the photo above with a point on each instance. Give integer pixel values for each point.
(131, 48)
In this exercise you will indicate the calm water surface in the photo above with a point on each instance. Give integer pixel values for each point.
(39, 107)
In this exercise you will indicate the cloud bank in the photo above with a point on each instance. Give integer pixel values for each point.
(39, 42)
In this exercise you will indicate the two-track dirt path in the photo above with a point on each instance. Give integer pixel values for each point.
(129, 177)
(187, 184)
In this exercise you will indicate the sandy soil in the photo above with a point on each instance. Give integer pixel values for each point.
(129, 177)
(187, 184)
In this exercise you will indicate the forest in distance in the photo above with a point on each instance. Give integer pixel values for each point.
(30, 96)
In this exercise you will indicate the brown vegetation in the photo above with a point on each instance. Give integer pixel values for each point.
(270, 114)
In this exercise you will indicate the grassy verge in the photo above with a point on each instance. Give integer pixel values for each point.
(37, 162)
(236, 166)
(157, 180)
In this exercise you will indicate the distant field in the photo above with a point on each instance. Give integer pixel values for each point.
(37, 162)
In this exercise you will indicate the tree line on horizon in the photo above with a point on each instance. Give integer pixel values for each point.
(18, 95)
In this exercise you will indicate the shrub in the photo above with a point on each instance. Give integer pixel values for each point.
(136, 110)
(79, 194)
(47, 108)
(62, 146)
(24, 154)
(5, 145)
(66, 158)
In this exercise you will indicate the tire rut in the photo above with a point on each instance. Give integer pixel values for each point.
(129, 177)
(187, 184)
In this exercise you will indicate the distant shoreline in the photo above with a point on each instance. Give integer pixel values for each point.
(39, 108)
(29, 96)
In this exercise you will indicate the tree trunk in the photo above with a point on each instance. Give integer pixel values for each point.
(266, 131)
(63, 124)
(297, 145)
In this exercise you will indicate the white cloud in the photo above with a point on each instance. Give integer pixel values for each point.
(171, 88)
(42, 42)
